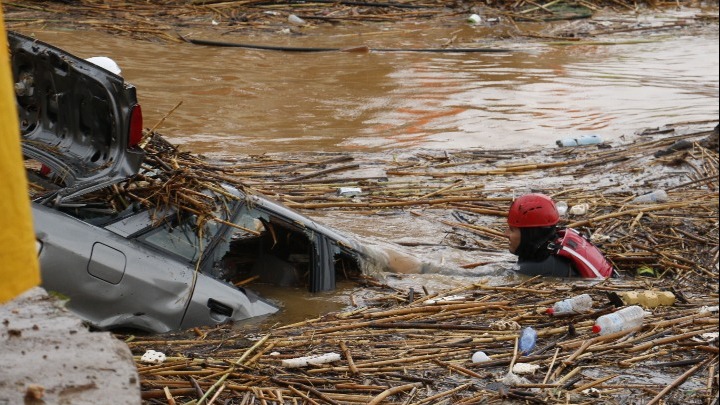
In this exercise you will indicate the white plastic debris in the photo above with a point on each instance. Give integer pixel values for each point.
(706, 308)
(314, 360)
(706, 337)
(105, 63)
(480, 357)
(511, 379)
(591, 392)
(474, 19)
(525, 368)
(562, 208)
(504, 325)
(153, 357)
(446, 299)
(293, 19)
(349, 191)
(580, 209)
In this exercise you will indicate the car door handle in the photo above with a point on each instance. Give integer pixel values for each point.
(218, 310)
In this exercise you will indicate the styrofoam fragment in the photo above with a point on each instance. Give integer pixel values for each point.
(153, 357)
(314, 360)
(446, 299)
(525, 368)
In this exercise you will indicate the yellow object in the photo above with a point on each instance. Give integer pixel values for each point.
(647, 298)
(19, 269)
(646, 271)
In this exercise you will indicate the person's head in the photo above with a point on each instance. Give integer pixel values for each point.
(532, 219)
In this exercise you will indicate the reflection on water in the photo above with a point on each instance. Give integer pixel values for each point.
(248, 101)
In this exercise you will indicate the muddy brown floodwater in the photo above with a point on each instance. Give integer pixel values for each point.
(238, 101)
(242, 101)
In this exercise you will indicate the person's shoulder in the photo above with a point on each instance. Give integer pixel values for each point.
(551, 266)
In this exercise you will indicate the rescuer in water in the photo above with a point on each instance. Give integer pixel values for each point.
(543, 249)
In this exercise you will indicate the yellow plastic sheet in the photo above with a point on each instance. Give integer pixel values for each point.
(18, 254)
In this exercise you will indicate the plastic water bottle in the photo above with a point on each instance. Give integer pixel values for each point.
(562, 208)
(574, 305)
(579, 141)
(655, 196)
(528, 337)
(626, 318)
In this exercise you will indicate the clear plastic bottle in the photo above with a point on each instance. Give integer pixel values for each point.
(580, 141)
(574, 305)
(528, 337)
(655, 196)
(626, 318)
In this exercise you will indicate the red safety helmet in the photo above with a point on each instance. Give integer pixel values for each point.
(533, 210)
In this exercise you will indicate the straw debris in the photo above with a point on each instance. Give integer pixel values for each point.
(415, 346)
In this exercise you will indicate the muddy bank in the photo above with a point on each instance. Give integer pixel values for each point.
(400, 341)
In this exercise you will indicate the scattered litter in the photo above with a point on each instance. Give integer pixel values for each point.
(591, 392)
(480, 357)
(293, 19)
(311, 360)
(580, 209)
(446, 299)
(562, 208)
(153, 357)
(504, 325)
(655, 196)
(706, 337)
(474, 19)
(580, 141)
(513, 379)
(525, 368)
(349, 191)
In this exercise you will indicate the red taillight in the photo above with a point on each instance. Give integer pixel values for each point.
(136, 126)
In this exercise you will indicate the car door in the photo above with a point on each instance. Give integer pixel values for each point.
(110, 281)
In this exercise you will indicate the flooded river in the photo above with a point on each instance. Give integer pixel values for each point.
(243, 101)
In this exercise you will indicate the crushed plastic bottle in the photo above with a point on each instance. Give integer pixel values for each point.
(579, 141)
(574, 305)
(624, 319)
(655, 196)
(562, 208)
(528, 338)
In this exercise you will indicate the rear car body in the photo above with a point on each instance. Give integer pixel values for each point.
(134, 265)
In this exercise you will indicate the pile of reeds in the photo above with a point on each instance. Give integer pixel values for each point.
(415, 346)
(468, 193)
(417, 349)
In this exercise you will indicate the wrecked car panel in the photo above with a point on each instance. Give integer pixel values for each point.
(81, 121)
(150, 237)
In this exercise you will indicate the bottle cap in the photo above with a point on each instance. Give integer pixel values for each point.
(596, 328)
(549, 311)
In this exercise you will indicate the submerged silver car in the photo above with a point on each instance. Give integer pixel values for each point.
(134, 266)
